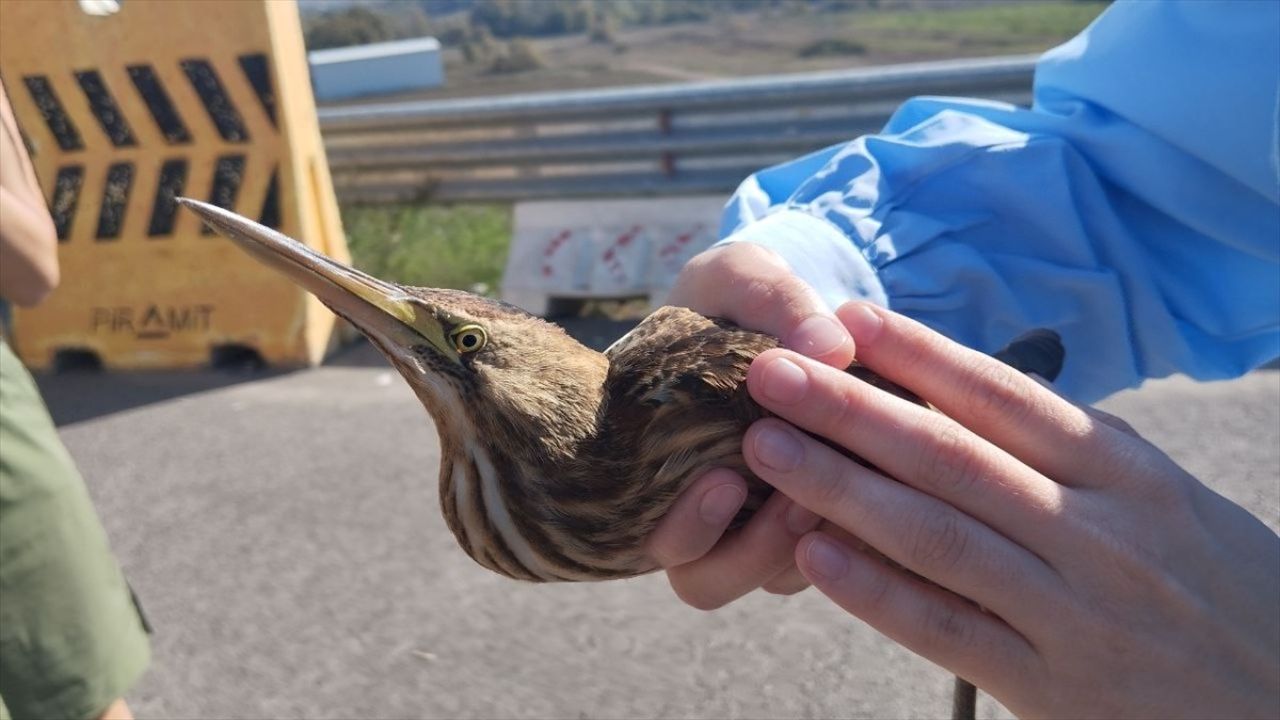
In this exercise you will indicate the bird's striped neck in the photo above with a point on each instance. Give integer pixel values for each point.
(483, 519)
(504, 529)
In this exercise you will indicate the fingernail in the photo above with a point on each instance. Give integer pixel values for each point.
(784, 381)
(817, 335)
(778, 449)
(863, 323)
(826, 559)
(801, 519)
(720, 504)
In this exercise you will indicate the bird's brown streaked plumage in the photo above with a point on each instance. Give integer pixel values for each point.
(584, 490)
(557, 461)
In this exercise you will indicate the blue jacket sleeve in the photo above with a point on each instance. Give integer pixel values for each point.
(1135, 208)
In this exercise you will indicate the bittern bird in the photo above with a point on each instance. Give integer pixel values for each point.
(556, 461)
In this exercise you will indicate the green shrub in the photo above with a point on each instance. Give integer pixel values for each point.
(604, 30)
(479, 47)
(829, 47)
(520, 56)
(362, 25)
(456, 246)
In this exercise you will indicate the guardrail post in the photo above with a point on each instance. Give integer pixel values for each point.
(527, 132)
(668, 159)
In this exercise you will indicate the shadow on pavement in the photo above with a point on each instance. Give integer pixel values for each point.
(78, 396)
(359, 353)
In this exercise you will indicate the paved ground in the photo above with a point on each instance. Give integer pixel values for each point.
(282, 530)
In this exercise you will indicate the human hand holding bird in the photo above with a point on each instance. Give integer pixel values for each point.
(1073, 569)
(1113, 583)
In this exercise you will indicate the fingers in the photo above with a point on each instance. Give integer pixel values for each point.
(911, 443)
(788, 582)
(1108, 419)
(991, 399)
(928, 620)
(920, 532)
(698, 518)
(753, 287)
(1099, 415)
(759, 552)
(791, 580)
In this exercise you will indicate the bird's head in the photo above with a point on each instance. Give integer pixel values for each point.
(496, 380)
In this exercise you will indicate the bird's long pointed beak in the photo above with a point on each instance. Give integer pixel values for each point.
(376, 307)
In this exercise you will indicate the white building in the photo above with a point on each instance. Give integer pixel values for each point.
(377, 68)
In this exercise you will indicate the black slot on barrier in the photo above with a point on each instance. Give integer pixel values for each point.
(164, 211)
(204, 79)
(105, 109)
(257, 72)
(270, 215)
(159, 104)
(66, 194)
(26, 143)
(115, 198)
(227, 176)
(42, 94)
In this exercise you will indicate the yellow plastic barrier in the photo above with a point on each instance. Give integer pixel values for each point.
(202, 98)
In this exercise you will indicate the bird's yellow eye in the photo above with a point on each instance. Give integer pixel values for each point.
(469, 338)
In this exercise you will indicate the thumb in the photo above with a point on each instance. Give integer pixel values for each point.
(756, 289)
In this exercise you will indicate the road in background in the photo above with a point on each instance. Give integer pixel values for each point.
(283, 532)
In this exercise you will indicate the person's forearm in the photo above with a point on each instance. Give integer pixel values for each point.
(28, 251)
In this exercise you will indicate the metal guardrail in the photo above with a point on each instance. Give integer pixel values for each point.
(649, 140)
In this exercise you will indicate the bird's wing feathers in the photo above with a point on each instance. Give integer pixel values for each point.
(677, 345)
(676, 350)
(676, 396)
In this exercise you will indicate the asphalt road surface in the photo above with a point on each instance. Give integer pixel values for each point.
(282, 530)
